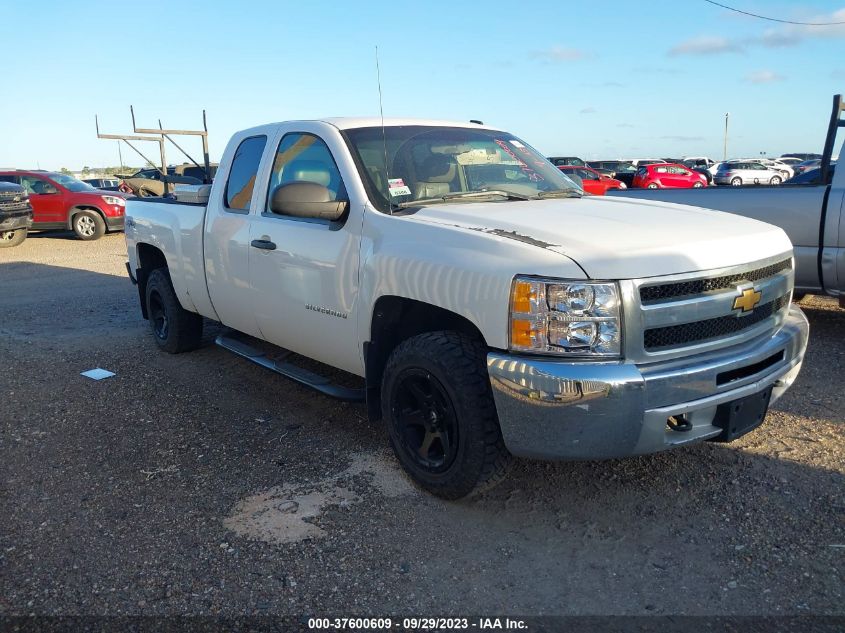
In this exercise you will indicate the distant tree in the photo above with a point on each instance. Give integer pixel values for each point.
(65, 170)
(86, 170)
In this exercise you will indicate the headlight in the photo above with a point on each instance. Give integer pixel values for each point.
(572, 318)
(114, 201)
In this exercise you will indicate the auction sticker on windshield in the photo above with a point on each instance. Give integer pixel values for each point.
(397, 187)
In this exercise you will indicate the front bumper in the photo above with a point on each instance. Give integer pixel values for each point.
(595, 410)
(15, 220)
(115, 223)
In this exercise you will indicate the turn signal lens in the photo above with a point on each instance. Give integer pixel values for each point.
(528, 297)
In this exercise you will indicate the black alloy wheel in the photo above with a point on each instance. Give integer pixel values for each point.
(426, 421)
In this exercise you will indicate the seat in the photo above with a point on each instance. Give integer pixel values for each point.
(436, 174)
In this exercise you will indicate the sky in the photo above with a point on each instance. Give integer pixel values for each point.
(600, 80)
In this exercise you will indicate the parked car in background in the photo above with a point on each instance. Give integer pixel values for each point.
(557, 161)
(737, 173)
(639, 162)
(667, 176)
(150, 182)
(807, 165)
(785, 170)
(803, 157)
(812, 177)
(106, 184)
(621, 170)
(61, 202)
(698, 161)
(15, 214)
(792, 161)
(591, 181)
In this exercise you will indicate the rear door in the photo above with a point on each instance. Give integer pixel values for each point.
(304, 271)
(226, 242)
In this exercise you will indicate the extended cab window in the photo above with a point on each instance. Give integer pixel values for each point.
(304, 157)
(243, 173)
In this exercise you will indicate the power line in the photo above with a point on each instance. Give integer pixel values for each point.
(763, 17)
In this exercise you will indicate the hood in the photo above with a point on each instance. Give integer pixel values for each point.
(621, 238)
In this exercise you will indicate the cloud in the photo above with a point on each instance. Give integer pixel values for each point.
(794, 34)
(683, 139)
(706, 45)
(763, 77)
(558, 54)
(589, 110)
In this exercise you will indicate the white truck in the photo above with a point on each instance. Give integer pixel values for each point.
(471, 296)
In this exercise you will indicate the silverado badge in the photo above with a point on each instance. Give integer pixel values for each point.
(747, 300)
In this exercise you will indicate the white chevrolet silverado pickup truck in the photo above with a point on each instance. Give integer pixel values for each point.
(472, 297)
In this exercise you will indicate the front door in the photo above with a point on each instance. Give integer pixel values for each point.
(46, 199)
(304, 272)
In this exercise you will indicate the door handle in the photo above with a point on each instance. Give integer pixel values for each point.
(264, 245)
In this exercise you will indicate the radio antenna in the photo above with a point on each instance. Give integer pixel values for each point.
(383, 133)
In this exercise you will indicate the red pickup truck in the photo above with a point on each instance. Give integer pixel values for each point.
(61, 202)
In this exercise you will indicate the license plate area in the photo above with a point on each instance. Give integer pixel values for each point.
(738, 417)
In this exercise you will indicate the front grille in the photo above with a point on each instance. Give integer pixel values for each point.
(689, 333)
(681, 289)
(14, 206)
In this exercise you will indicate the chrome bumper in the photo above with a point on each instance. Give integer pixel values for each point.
(594, 410)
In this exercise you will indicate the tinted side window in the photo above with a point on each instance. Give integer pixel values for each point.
(243, 173)
(13, 179)
(305, 158)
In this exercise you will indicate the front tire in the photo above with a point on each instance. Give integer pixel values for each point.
(440, 415)
(652, 185)
(88, 225)
(175, 330)
(697, 185)
(8, 239)
(776, 180)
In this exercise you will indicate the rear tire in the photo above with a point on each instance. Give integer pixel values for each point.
(175, 330)
(440, 415)
(88, 225)
(697, 185)
(652, 185)
(8, 239)
(736, 182)
(776, 180)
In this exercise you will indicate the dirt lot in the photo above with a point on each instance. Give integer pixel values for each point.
(201, 484)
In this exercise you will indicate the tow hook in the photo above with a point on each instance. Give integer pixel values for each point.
(679, 423)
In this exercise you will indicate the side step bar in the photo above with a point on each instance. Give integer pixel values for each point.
(289, 370)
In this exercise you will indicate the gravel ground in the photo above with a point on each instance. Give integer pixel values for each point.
(200, 484)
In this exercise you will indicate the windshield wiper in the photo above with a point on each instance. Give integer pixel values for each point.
(465, 195)
(559, 193)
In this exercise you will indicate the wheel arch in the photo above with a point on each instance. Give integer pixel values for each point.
(394, 320)
(77, 208)
(149, 258)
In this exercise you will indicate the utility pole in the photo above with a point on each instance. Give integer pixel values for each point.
(120, 154)
(725, 150)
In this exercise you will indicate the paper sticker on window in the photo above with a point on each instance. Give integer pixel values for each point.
(397, 187)
(516, 143)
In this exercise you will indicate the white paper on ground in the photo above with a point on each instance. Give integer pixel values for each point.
(98, 374)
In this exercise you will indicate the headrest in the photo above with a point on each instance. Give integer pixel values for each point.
(437, 168)
(309, 171)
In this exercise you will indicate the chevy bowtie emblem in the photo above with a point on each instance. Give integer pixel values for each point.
(747, 300)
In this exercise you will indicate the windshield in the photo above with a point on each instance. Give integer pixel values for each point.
(70, 183)
(438, 164)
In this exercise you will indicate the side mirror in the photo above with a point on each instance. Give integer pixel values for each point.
(307, 200)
